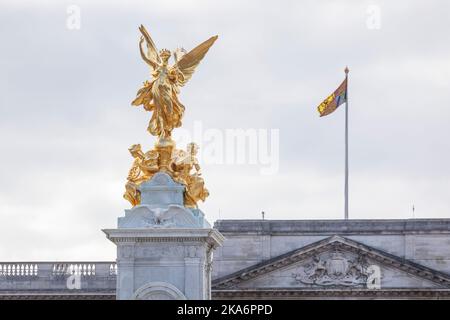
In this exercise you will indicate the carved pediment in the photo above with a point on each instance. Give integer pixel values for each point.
(335, 262)
(336, 268)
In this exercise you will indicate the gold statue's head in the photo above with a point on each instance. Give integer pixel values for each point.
(151, 155)
(165, 55)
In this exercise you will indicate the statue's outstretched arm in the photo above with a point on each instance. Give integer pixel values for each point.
(151, 57)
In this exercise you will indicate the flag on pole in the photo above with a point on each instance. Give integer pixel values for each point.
(331, 103)
(334, 100)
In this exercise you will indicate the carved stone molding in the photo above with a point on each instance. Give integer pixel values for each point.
(332, 294)
(158, 291)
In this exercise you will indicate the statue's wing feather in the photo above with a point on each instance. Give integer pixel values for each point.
(152, 51)
(189, 61)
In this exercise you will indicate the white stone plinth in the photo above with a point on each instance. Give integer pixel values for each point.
(164, 263)
(164, 250)
(162, 207)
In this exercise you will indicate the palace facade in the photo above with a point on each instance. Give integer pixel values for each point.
(281, 259)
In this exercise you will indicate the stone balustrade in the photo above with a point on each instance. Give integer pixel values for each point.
(46, 277)
(16, 269)
(37, 269)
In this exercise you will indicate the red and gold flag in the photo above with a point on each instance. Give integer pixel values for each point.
(338, 97)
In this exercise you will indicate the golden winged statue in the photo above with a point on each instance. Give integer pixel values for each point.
(160, 95)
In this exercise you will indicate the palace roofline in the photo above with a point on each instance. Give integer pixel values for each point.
(351, 226)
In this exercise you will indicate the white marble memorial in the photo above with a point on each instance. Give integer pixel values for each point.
(164, 250)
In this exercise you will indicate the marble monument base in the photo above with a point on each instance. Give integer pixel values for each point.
(164, 263)
(164, 250)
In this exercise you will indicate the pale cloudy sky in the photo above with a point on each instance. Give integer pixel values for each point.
(66, 121)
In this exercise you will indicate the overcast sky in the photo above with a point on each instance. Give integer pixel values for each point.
(66, 121)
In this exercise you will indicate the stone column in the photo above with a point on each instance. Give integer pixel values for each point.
(164, 250)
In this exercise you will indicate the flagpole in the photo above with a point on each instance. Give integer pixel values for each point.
(346, 145)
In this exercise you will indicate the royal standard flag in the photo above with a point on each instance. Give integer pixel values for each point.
(338, 97)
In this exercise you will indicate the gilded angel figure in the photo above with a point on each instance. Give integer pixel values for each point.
(160, 95)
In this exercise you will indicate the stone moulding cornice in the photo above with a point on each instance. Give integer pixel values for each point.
(289, 292)
(331, 243)
(211, 236)
(332, 227)
(58, 296)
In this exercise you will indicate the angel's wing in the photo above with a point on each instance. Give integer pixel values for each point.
(189, 61)
(152, 52)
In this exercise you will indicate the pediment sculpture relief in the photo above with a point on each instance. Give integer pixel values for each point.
(338, 269)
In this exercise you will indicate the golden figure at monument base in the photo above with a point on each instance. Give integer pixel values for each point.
(160, 96)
